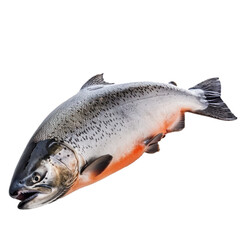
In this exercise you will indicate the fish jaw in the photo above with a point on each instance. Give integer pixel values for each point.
(25, 198)
(28, 198)
(33, 198)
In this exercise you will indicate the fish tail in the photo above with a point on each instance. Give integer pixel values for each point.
(211, 95)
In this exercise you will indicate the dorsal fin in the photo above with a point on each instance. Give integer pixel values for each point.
(96, 80)
(173, 83)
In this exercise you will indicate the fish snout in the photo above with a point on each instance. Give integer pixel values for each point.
(15, 187)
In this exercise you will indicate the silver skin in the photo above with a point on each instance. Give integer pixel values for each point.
(101, 119)
(109, 118)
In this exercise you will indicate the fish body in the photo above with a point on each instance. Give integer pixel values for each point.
(103, 128)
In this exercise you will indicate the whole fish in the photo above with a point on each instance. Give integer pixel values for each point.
(103, 128)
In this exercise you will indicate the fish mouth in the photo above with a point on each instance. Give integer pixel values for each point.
(25, 197)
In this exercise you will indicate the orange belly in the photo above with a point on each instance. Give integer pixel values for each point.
(113, 167)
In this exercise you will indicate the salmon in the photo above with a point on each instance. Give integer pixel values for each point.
(102, 129)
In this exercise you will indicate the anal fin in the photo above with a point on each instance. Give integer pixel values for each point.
(178, 125)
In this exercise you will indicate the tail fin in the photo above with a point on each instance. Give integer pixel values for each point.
(216, 107)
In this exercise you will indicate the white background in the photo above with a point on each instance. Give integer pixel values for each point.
(191, 188)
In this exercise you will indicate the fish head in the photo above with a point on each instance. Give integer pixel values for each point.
(45, 172)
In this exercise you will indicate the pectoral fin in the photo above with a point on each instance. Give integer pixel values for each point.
(96, 166)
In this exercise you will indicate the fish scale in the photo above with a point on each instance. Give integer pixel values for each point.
(102, 129)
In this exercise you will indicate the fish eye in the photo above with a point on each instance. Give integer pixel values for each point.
(36, 177)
